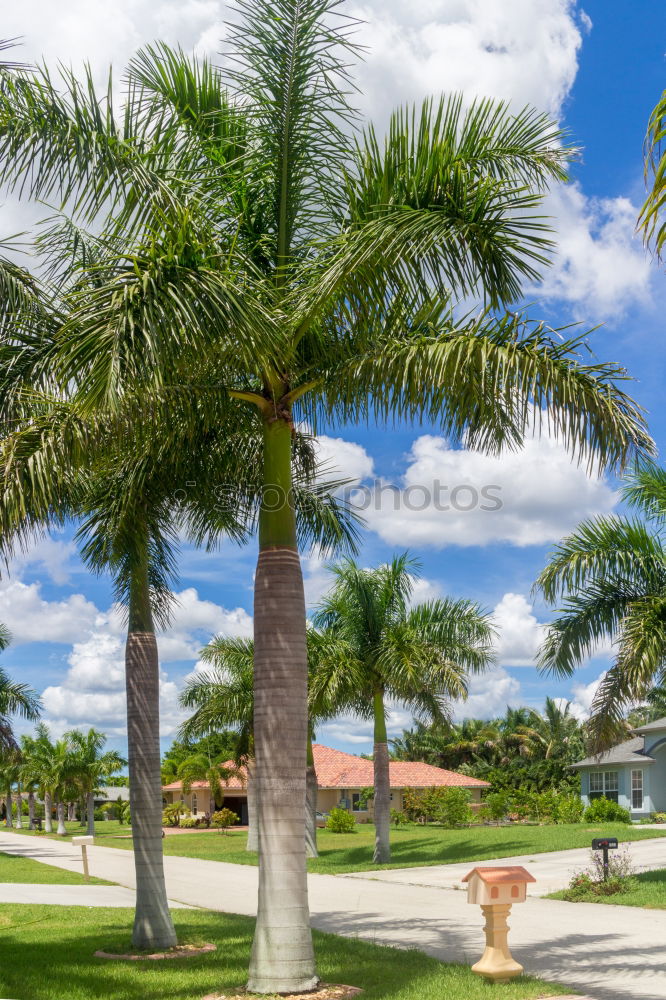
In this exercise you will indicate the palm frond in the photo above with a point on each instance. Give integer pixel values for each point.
(652, 219)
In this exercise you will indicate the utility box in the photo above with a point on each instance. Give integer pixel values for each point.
(486, 886)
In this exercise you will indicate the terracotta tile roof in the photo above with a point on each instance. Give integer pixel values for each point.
(513, 873)
(232, 783)
(336, 769)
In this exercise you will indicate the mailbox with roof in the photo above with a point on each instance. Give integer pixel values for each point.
(488, 886)
(633, 773)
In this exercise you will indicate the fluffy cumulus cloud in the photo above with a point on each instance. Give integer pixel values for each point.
(489, 694)
(31, 618)
(520, 634)
(600, 267)
(454, 496)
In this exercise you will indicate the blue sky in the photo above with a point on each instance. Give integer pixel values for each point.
(598, 68)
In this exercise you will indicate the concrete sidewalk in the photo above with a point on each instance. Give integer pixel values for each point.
(610, 952)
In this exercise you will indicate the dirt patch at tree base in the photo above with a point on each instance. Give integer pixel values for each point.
(325, 991)
(180, 951)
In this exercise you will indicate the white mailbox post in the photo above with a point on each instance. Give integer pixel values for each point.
(495, 890)
(84, 843)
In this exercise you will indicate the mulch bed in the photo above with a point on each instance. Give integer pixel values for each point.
(325, 991)
(180, 951)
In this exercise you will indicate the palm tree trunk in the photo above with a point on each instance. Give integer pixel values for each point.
(31, 810)
(8, 806)
(311, 789)
(382, 785)
(60, 813)
(252, 828)
(48, 810)
(282, 954)
(153, 927)
(90, 814)
(19, 806)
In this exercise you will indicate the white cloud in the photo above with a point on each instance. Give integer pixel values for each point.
(520, 634)
(342, 459)
(600, 267)
(540, 492)
(48, 554)
(582, 697)
(489, 694)
(32, 619)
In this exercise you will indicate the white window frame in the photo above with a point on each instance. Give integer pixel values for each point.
(608, 787)
(637, 788)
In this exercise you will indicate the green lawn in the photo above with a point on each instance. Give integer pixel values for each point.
(49, 955)
(649, 890)
(412, 846)
(14, 869)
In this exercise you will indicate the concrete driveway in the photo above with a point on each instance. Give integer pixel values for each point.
(609, 952)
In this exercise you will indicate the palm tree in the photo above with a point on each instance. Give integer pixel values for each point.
(611, 574)
(15, 699)
(419, 655)
(51, 765)
(339, 263)
(557, 731)
(92, 766)
(651, 221)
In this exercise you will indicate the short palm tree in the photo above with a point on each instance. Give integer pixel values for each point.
(611, 575)
(92, 766)
(385, 648)
(331, 297)
(556, 731)
(652, 220)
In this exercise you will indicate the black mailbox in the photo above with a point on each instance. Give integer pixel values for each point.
(609, 843)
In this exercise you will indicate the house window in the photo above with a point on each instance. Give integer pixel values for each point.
(356, 802)
(637, 789)
(195, 804)
(604, 784)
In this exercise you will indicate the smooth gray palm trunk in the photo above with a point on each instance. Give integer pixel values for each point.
(311, 812)
(19, 807)
(48, 812)
(60, 813)
(252, 843)
(31, 810)
(282, 955)
(90, 813)
(8, 808)
(153, 927)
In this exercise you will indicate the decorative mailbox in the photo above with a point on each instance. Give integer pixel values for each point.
(495, 890)
(84, 843)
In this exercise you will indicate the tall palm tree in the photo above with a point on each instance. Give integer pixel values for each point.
(52, 766)
(92, 766)
(15, 699)
(610, 574)
(652, 219)
(419, 655)
(339, 266)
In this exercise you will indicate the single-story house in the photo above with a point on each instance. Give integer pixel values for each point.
(632, 773)
(111, 793)
(341, 778)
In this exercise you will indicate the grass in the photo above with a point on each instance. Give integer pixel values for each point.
(13, 869)
(411, 846)
(52, 957)
(647, 889)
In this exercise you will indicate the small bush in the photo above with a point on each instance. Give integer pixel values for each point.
(587, 884)
(453, 809)
(496, 806)
(399, 818)
(173, 813)
(189, 822)
(570, 809)
(604, 810)
(224, 818)
(340, 821)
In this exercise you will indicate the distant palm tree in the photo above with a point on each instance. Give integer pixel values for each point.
(611, 572)
(652, 220)
(91, 766)
(381, 647)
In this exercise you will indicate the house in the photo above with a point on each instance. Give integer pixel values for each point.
(632, 773)
(111, 793)
(341, 778)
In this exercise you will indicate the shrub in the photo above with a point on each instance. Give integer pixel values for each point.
(189, 822)
(604, 810)
(340, 821)
(589, 882)
(570, 809)
(399, 818)
(453, 807)
(496, 806)
(224, 818)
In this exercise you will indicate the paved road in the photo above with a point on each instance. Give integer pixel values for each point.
(611, 952)
(552, 871)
